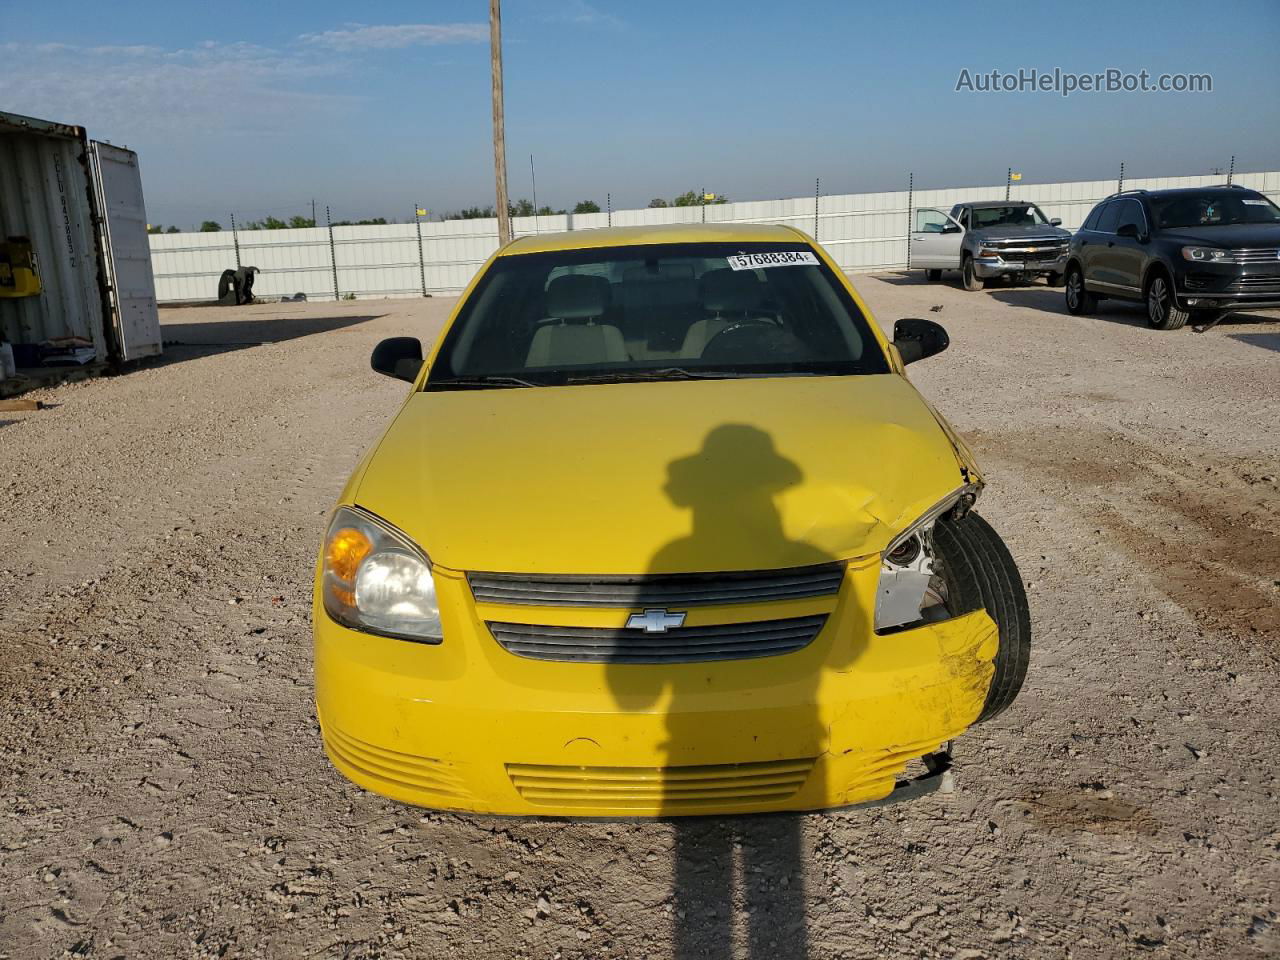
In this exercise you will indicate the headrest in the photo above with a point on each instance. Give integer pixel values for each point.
(577, 297)
(731, 291)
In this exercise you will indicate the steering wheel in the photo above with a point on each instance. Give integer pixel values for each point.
(755, 340)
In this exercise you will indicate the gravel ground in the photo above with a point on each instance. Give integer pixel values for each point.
(166, 794)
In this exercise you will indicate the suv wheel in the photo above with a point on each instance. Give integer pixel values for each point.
(933, 276)
(971, 279)
(1079, 300)
(1163, 312)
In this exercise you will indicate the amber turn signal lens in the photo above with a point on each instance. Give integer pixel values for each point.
(347, 548)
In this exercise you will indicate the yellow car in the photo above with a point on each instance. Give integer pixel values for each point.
(661, 529)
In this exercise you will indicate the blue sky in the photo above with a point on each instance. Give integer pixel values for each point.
(258, 107)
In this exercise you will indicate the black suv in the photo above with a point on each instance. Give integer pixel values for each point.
(1195, 253)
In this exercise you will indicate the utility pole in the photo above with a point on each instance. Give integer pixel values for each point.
(313, 211)
(533, 175)
(499, 137)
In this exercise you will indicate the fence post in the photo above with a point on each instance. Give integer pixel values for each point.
(1120, 185)
(1232, 172)
(422, 260)
(235, 238)
(702, 202)
(817, 188)
(608, 205)
(911, 187)
(333, 253)
(1008, 183)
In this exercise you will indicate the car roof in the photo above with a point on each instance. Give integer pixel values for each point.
(1217, 190)
(984, 204)
(666, 233)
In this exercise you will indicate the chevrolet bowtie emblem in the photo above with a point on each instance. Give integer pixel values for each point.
(655, 620)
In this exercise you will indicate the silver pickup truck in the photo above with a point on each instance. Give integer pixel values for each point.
(988, 239)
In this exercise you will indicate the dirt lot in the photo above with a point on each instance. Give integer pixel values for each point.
(166, 794)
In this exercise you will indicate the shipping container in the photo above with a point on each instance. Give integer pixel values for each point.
(76, 284)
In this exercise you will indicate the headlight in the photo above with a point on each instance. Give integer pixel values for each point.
(911, 588)
(988, 252)
(1206, 254)
(376, 579)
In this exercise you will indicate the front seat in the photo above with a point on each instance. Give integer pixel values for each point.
(729, 296)
(571, 335)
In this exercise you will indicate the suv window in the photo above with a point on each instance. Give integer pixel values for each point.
(657, 311)
(1109, 218)
(1091, 221)
(1213, 209)
(1131, 212)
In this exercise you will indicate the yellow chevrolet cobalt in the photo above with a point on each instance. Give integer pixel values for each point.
(661, 529)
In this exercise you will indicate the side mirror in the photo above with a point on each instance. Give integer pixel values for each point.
(917, 339)
(1055, 222)
(950, 228)
(399, 357)
(1130, 230)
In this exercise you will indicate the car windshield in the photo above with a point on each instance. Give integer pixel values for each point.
(1014, 215)
(662, 311)
(1213, 209)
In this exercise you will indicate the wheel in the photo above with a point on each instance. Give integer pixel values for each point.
(1054, 279)
(1079, 300)
(933, 276)
(971, 279)
(1163, 311)
(978, 572)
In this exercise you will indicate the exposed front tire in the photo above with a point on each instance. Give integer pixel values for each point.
(1079, 300)
(1163, 311)
(979, 573)
(933, 276)
(971, 279)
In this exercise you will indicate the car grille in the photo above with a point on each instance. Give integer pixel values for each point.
(659, 590)
(1256, 255)
(722, 641)
(1255, 285)
(1022, 251)
(668, 788)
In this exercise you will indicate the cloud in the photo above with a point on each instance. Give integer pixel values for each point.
(398, 36)
(585, 14)
(133, 92)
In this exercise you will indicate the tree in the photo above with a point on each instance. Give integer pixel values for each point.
(210, 226)
(297, 222)
(173, 230)
(693, 198)
(587, 206)
(154, 228)
(657, 202)
(271, 223)
(471, 213)
(522, 208)
(545, 211)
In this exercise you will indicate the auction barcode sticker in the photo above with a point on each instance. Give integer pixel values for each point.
(780, 258)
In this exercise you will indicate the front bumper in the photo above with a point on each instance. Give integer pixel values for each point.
(466, 725)
(1228, 286)
(988, 267)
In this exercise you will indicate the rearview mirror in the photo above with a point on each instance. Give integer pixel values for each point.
(1055, 222)
(916, 338)
(399, 357)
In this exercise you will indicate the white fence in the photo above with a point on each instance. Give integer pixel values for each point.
(862, 231)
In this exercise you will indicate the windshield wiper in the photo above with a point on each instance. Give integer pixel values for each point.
(482, 381)
(666, 373)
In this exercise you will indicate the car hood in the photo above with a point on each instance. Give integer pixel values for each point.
(1011, 232)
(1227, 235)
(684, 476)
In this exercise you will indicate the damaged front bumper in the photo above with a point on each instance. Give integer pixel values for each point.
(467, 726)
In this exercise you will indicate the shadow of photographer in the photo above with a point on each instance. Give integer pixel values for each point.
(721, 711)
